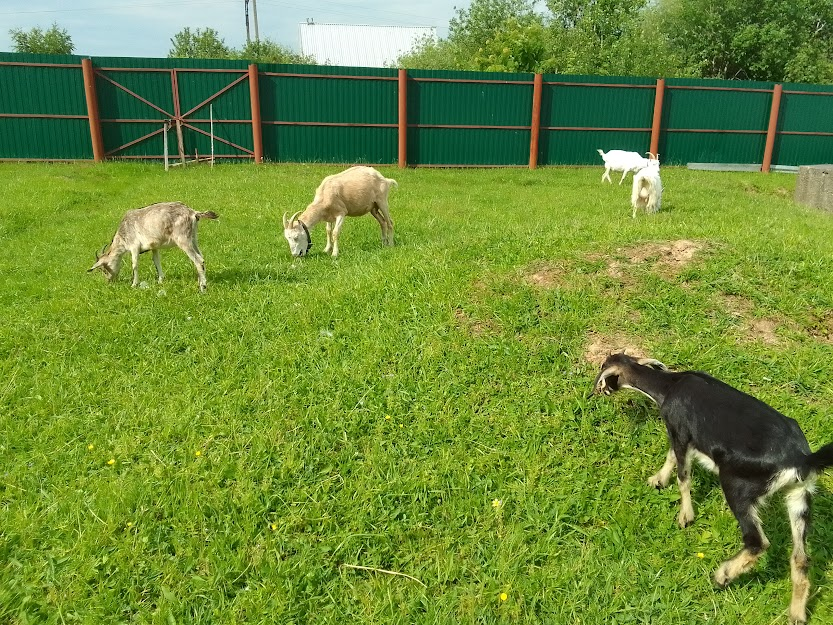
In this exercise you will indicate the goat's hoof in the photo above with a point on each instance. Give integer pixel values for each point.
(721, 577)
(657, 482)
(684, 520)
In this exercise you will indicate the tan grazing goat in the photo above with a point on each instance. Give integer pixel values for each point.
(352, 193)
(167, 224)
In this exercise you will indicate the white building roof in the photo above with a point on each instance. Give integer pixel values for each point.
(360, 45)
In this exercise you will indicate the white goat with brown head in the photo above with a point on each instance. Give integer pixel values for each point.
(167, 224)
(351, 193)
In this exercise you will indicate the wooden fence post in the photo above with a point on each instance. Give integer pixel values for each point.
(535, 128)
(257, 125)
(92, 109)
(657, 122)
(773, 126)
(403, 118)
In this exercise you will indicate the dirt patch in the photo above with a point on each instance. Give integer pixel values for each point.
(668, 258)
(473, 326)
(763, 329)
(546, 276)
(738, 306)
(600, 346)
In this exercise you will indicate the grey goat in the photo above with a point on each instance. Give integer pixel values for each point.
(166, 224)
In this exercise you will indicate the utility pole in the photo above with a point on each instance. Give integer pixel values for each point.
(246, 9)
(254, 13)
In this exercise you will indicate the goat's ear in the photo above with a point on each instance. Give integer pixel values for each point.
(653, 363)
(95, 266)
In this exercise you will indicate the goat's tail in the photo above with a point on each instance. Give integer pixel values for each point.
(208, 215)
(821, 459)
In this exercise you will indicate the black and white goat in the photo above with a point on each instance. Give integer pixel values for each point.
(754, 449)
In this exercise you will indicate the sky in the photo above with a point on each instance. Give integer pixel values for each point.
(144, 27)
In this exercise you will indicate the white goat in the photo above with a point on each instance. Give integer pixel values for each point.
(166, 224)
(647, 188)
(351, 193)
(620, 160)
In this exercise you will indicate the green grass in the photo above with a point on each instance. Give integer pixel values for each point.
(283, 376)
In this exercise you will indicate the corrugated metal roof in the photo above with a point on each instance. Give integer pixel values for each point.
(360, 45)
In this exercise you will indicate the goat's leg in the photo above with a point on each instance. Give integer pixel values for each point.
(336, 229)
(607, 175)
(158, 262)
(743, 497)
(798, 508)
(329, 246)
(193, 252)
(686, 516)
(661, 478)
(134, 257)
(385, 210)
(624, 173)
(387, 236)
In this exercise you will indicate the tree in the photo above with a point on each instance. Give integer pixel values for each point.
(199, 44)
(55, 40)
(268, 51)
(774, 40)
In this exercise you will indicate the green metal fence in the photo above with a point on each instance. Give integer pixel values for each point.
(379, 116)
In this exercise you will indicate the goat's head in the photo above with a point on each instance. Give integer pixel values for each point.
(297, 235)
(653, 159)
(108, 262)
(616, 366)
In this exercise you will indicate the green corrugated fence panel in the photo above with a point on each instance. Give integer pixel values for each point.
(460, 146)
(802, 150)
(714, 110)
(588, 106)
(332, 144)
(579, 147)
(43, 91)
(38, 138)
(487, 104)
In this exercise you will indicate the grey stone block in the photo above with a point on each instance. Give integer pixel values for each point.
(814, 186)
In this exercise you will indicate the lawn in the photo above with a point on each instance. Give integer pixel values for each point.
(171, 457)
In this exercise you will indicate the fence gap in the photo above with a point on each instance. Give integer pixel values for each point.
(403, 118)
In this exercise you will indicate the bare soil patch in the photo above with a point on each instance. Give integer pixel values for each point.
(763, 329)
(474, 326)
(546, 276)
(668, 258)
(600, 346)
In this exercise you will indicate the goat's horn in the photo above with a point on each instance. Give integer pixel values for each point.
(285, 223)
(652, 362)
(292, 219)
(598, 382)
(99, 253)
(652, 155)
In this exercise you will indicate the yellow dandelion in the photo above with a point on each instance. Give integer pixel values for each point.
(90, 446)
(387, 417)
(129, 524)
(701, 555)
(273, 527)
(198, 453)
(503, 596)
(496, 503)
(111, 461)
(402, 426)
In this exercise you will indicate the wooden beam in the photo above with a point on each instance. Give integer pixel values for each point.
(92, 109)
(656, 126)
(772, 129)
(535, 130)
(403, 118)
(257, 122)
